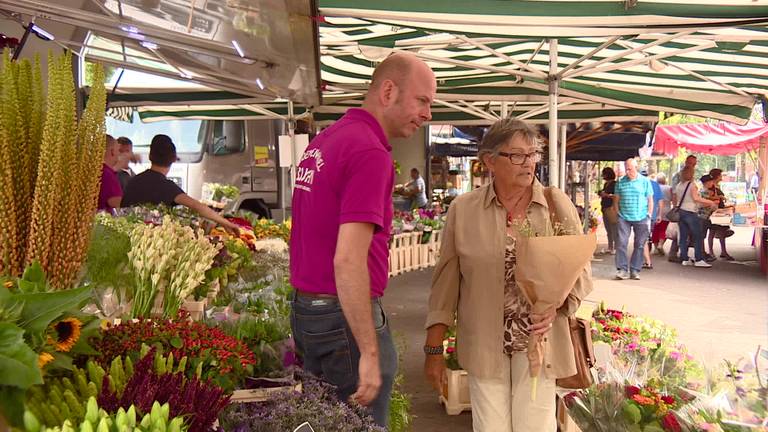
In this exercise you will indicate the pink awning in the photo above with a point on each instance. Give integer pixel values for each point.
(719, 138)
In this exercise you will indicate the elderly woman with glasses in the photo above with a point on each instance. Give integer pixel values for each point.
(474, 284)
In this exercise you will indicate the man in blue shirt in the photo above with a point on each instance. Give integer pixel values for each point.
(633, 200)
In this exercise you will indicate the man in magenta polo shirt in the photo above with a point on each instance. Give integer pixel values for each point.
(110, 192)
(342, 215)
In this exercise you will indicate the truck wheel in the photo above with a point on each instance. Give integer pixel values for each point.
(257, 207)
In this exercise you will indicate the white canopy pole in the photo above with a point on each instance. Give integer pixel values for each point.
(292, 134)
(504, 109)
(554, 165)
(563, 131)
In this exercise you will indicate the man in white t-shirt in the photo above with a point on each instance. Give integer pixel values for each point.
(417, 190)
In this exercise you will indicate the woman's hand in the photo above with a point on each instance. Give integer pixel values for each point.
(543, 322)
(434, 370)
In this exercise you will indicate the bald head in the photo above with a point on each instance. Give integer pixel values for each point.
(401, 93)
(398, 68)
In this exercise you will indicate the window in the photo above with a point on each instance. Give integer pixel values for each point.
(184, 133)
(228, 137)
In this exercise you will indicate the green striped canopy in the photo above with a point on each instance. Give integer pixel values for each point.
(153, 107)
(616, 60)
(707, 58)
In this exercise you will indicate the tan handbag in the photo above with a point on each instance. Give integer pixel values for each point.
(584, 354)
(611, 215)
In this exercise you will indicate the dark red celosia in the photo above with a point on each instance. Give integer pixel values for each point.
(198, 402)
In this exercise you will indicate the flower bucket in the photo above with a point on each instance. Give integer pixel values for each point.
(455, 395)
(195, 308)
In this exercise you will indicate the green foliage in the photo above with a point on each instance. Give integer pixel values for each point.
(40, 309)
(31, 310)
(223, 191)
(18, 370)
(64, 397)
(33, 280)
(98, 420)
(107, 259)
(400, 402)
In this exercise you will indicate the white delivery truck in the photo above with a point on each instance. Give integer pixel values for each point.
(241, 153)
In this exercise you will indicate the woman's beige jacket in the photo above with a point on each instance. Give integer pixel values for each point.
(469, 280)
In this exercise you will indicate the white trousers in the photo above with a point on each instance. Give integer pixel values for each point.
(504, 404)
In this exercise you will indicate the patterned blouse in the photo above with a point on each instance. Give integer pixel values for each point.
(517, 311)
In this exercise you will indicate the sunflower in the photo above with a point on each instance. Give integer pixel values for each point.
(43, 359)
(67, 334)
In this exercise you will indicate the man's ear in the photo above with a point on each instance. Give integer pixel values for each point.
(388, 93)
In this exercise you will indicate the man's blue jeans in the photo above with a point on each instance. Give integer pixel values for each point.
(641, 229)
(691, 224)
(328, 349)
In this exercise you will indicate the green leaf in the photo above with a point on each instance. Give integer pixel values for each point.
(60, 361)
(176, 342)
(12, 404)
(33, 280)
(18, 363)
(88, 331)
(42, 308)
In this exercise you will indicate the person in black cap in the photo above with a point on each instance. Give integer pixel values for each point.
(152, 186)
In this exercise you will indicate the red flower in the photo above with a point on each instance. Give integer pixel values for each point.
(631, 390)
(669, 423)
(240, 222)
(669, 400)
(569, 399)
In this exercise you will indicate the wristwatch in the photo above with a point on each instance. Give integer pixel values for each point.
(433, 350)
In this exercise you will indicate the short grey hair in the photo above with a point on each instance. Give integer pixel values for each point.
(504, 130)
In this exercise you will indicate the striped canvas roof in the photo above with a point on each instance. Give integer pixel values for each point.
(707, 58)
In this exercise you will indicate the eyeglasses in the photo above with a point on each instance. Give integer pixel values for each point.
(521, 158)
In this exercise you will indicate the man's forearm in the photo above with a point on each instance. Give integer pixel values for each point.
(354, 290)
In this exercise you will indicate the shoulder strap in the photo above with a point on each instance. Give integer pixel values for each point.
(552, 213)
(684, 192)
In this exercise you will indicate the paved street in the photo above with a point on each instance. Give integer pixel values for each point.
(720, 312)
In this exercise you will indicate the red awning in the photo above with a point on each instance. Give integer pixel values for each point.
(718, 138)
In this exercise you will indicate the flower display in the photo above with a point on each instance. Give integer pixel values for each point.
(198, 402)
(220, 357)
(317, 404)
(169, 259)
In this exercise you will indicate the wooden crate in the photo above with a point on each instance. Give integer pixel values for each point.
(260, 394)
(455, 395)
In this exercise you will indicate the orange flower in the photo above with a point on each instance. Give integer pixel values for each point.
(643, 400)
(67, 334)
(43, 359)
(8, 284)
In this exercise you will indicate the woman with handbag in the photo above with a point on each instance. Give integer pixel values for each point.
(474, 284)
(688, 200)
(610, 216)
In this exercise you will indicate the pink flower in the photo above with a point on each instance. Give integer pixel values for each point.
(631, 347)
(676, 355)
(450, 350)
